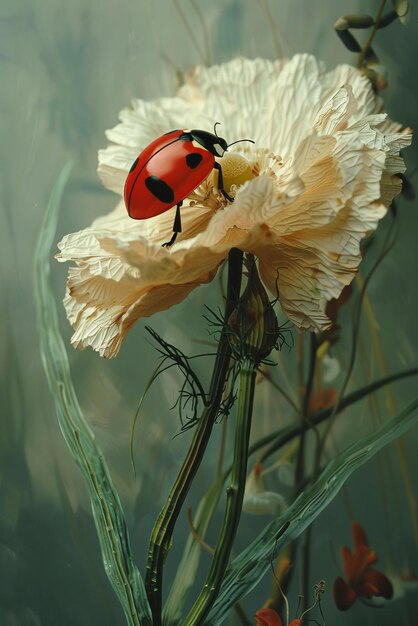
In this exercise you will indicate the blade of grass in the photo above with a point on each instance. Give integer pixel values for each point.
(106, 506)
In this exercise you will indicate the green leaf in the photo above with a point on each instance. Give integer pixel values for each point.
(107, 509)
(247, 569)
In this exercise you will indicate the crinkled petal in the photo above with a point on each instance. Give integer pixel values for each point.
(121, 276)
(325, 166)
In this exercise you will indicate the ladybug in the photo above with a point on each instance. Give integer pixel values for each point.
(169, 169)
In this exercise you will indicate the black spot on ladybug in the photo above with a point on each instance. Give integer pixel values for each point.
(159, 189)
(134, 164)
(193, 159)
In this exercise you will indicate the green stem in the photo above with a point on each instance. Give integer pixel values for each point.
(285, 435)
(235, 496)
(369, 41)
(306, 567)
(300, 472)
(163, 529)
(300, 462)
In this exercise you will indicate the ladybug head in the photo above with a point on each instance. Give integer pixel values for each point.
(211, 142)
(220, 147)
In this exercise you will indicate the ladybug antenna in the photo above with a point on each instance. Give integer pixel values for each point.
(214, 128)
(239, 140)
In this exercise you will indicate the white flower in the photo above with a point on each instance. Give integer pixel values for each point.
(259, 501)
(331, 368)
(318, 179)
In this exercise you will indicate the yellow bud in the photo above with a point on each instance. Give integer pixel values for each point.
(236, 170)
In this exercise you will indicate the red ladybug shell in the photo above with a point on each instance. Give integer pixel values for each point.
(165, 173)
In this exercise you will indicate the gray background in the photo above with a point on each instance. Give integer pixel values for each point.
(66, 70)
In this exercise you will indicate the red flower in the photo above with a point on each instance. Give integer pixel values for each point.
(361, 580)
(269, 617)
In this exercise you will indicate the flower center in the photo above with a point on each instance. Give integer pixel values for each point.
(236, 170)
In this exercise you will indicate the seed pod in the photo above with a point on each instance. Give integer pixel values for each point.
(402, 8)
(353, 21)
(387, 19)
(254, 329)
(348, 40)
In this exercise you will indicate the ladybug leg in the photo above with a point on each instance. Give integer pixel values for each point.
(176, 226)
(218, 167)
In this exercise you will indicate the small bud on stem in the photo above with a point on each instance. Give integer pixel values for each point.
(254, 329)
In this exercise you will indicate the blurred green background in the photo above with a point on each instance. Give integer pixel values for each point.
(66, 70)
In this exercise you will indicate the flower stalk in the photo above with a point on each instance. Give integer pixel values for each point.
(369, 41)
(163, 529)
(234, 494)
(300, 476)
